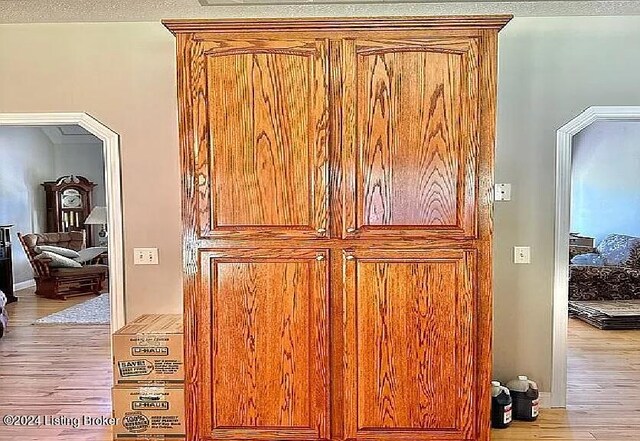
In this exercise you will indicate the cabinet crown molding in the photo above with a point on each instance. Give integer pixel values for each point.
(336, 24)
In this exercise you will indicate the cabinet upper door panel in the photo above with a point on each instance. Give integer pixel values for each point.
(409, 344)
(261, 110)
(410, 137)
(263, 345)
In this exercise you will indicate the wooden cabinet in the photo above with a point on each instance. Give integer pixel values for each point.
(265, 363)
(337, 194)
(6, 263)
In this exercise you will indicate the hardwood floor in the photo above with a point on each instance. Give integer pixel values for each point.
(603, 391)
(66, 370)
(53, 370)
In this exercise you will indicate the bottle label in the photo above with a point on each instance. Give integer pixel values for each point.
(507, 414)
(535, 408)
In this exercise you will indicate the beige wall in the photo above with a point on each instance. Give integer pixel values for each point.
(123, 74)
(550, 70)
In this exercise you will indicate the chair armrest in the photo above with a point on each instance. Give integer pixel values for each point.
(89, 254)
(41, 266)
(87, 270)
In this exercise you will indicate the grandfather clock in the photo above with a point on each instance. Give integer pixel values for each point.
(69, 203)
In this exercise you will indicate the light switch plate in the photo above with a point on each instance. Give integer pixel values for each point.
(145, 256)
(503, 192)
(521, 254)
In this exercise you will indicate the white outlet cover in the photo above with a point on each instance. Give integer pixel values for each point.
(503, 192)
(145, 256)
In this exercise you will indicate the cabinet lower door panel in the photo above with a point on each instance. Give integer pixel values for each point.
(409, 344)
(265, 367)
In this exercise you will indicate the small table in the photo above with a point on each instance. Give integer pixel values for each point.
(6, 266)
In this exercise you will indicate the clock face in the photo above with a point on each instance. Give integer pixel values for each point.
(71, 198)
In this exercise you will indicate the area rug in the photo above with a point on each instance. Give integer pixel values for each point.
(95, 311)
(608, 314)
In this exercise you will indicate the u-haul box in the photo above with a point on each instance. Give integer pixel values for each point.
(149, 350)
(148, 413)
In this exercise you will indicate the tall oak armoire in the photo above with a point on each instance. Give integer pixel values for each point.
(337, 198)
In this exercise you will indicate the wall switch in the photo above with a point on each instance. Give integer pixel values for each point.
(521, 254)
(145, 256)
(503, 192)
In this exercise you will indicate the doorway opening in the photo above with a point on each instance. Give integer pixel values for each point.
(60, 188)
(109, 234)
(578, 262)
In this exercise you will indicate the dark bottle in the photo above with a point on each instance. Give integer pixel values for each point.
(526, 399)
(500, 406)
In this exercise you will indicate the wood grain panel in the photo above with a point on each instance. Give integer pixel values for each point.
(411, 149)
(260, 144)
(190, 217)
(268, 374)
(487, 55)
(268, 149)
(409, 344)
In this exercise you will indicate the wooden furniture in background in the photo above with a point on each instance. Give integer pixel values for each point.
(337, 205)
(582, 241)
(580, 245)
(69, 202)
(6, 265)
(62, 283)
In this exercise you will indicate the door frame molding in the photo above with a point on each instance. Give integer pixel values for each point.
(113, 187)
(564, 146)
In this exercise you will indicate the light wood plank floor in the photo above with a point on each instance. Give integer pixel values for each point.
(66, 370)
(603, 391)
(53, 370)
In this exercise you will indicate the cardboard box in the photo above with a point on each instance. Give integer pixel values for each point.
(148, 413)
(149, 350)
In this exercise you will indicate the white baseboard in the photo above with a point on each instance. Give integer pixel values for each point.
(24, 285)
(545, 400)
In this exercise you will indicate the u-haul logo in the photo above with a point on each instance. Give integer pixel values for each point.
(141, 351)
(134, 368)
(150, 405)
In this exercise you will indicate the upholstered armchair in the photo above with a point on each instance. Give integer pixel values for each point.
(612, 272)
(59, 282)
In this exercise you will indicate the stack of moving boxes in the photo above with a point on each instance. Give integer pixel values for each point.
(148, 371)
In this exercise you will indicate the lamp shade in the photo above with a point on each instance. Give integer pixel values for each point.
(98, 216)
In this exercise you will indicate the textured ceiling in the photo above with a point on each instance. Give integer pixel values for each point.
(52, 11)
